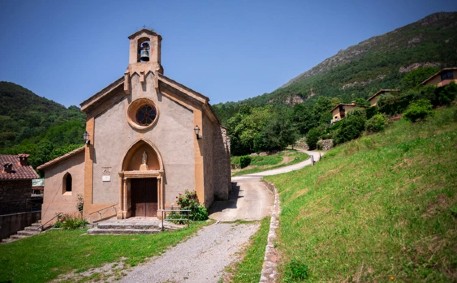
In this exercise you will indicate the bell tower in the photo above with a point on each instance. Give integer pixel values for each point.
(144, 57)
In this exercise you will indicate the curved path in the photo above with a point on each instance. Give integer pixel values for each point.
(203, 257)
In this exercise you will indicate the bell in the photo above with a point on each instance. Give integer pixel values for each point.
(144, 55)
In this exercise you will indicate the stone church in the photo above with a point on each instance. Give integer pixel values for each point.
(148, 138)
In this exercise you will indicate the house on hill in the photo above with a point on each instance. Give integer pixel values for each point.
(442, 78)
(148, 139)
(16, 177)
(373, 100)
(341, 110)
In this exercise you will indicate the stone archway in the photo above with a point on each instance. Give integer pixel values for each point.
(141, 192)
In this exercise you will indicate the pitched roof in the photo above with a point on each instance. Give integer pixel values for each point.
(438, 73)
(106, 92)
(17, 171)
(381, 91)
(144, 30)
(61, 158)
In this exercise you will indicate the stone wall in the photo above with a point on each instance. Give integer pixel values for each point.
(325, 144)
(15, 196)
(11, 223)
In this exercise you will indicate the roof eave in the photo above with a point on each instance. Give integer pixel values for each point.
(61, 158)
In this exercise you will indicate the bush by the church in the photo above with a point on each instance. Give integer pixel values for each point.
(189, 201)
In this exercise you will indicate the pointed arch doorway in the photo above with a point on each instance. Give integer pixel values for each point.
(141, 192)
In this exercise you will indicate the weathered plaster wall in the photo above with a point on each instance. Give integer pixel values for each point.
(172, 135)
(216, 162)
(55, 200)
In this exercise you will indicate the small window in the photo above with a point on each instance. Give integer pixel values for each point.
(67, 183)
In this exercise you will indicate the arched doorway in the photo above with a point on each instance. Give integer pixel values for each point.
(141, 192)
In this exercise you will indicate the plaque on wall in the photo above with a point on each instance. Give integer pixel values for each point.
(106, 176)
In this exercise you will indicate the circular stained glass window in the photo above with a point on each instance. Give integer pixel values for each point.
(145, 115)
(142, 114)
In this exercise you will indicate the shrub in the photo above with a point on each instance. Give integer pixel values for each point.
(69, 222)
(377, 123)
(443, 95)
(312, 137)
(418, 110)
(371, 111)
(189, 200)
(351, 127)
(245, 161)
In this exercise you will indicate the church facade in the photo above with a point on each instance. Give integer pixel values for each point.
(148, 139)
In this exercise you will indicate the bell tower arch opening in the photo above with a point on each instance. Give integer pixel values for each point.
(142, 190)
(144, 48)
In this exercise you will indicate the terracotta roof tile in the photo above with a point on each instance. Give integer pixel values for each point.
(18, 171)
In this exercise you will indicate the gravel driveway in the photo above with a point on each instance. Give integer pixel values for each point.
(201, 258)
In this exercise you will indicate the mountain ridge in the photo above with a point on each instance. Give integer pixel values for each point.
(362, 69)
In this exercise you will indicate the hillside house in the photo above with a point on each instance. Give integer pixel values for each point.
(373, 100)
(341, 110)
(16, 177)
(148, 139)
(442, 78)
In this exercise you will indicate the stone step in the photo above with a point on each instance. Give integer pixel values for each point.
(123, 231)
(126, 226)
(27, 233)
(8, 240)
(18, 236)
(37, 224)
(33, 228)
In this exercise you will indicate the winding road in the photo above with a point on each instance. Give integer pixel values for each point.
(204, 257)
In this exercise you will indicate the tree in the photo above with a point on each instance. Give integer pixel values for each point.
(351, 127)
(312, 137)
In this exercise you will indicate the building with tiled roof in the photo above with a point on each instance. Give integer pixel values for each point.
(442, 78)
(373, 100)
(148, 139)
(15, 183)
(341, 110)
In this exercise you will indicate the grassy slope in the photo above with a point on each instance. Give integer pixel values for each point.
(379, 208)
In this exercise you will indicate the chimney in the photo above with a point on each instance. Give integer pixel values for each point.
(23, 159)
(7, 167)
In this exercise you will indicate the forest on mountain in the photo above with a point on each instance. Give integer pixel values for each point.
(37, 126)
(400, 59)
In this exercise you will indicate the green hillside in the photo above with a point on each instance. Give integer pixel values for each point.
(380, 208)
(362, 69)
(36, 125)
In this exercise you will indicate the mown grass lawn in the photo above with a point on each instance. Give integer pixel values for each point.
(381, 208)
(44, 257)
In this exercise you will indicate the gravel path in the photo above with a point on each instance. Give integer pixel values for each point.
(201, 258)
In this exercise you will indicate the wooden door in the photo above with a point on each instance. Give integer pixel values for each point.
(144, 197)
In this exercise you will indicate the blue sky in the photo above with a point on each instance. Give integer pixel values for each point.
(67, 50)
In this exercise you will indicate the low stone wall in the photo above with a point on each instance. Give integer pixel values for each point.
(325, 144)
(11, 223)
